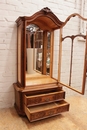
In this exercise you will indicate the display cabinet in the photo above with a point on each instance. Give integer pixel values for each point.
(38, 94)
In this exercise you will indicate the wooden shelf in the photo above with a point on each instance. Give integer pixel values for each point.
(38, 79)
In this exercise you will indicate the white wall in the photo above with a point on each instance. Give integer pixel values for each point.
(10, 10)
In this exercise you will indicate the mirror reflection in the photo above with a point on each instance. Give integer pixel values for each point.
(35, 57)
(48, 53)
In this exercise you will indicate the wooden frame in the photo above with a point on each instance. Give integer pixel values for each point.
(51, 52)
(60, 53)
(47, 21)
(40, 19)
(44, 52)
(84, 71)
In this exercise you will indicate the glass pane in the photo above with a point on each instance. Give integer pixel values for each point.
(34, 44)
(55, 54)
(66, 61)
(73, 54)
(48, 53)
(78, 64)
(38, 50)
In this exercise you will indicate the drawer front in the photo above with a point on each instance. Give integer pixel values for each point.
(45, 113)
(43, 98)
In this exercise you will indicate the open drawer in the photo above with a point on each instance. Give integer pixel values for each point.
(43, 98)
(43, 111)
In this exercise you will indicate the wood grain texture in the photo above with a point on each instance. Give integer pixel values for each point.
(39, 91)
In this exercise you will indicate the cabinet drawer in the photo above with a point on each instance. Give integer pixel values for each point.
(43, 111)
(43, 98)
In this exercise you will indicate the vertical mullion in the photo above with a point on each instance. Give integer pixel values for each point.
(60, 55)
(44, 52)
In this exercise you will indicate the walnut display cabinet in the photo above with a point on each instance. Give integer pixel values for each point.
(38, 94)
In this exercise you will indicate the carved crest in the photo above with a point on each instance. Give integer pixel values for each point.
(46, 10)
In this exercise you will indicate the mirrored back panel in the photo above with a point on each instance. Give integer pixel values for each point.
(38, 44)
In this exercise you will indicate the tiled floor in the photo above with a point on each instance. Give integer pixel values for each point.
(75, 119)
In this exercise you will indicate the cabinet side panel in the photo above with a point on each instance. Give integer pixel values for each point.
(19, 54)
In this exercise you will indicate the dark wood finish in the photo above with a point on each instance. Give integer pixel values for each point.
(33, 90)
(44, 18)
(43, 98)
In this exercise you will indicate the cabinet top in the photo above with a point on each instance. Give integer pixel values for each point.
(44, 18)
